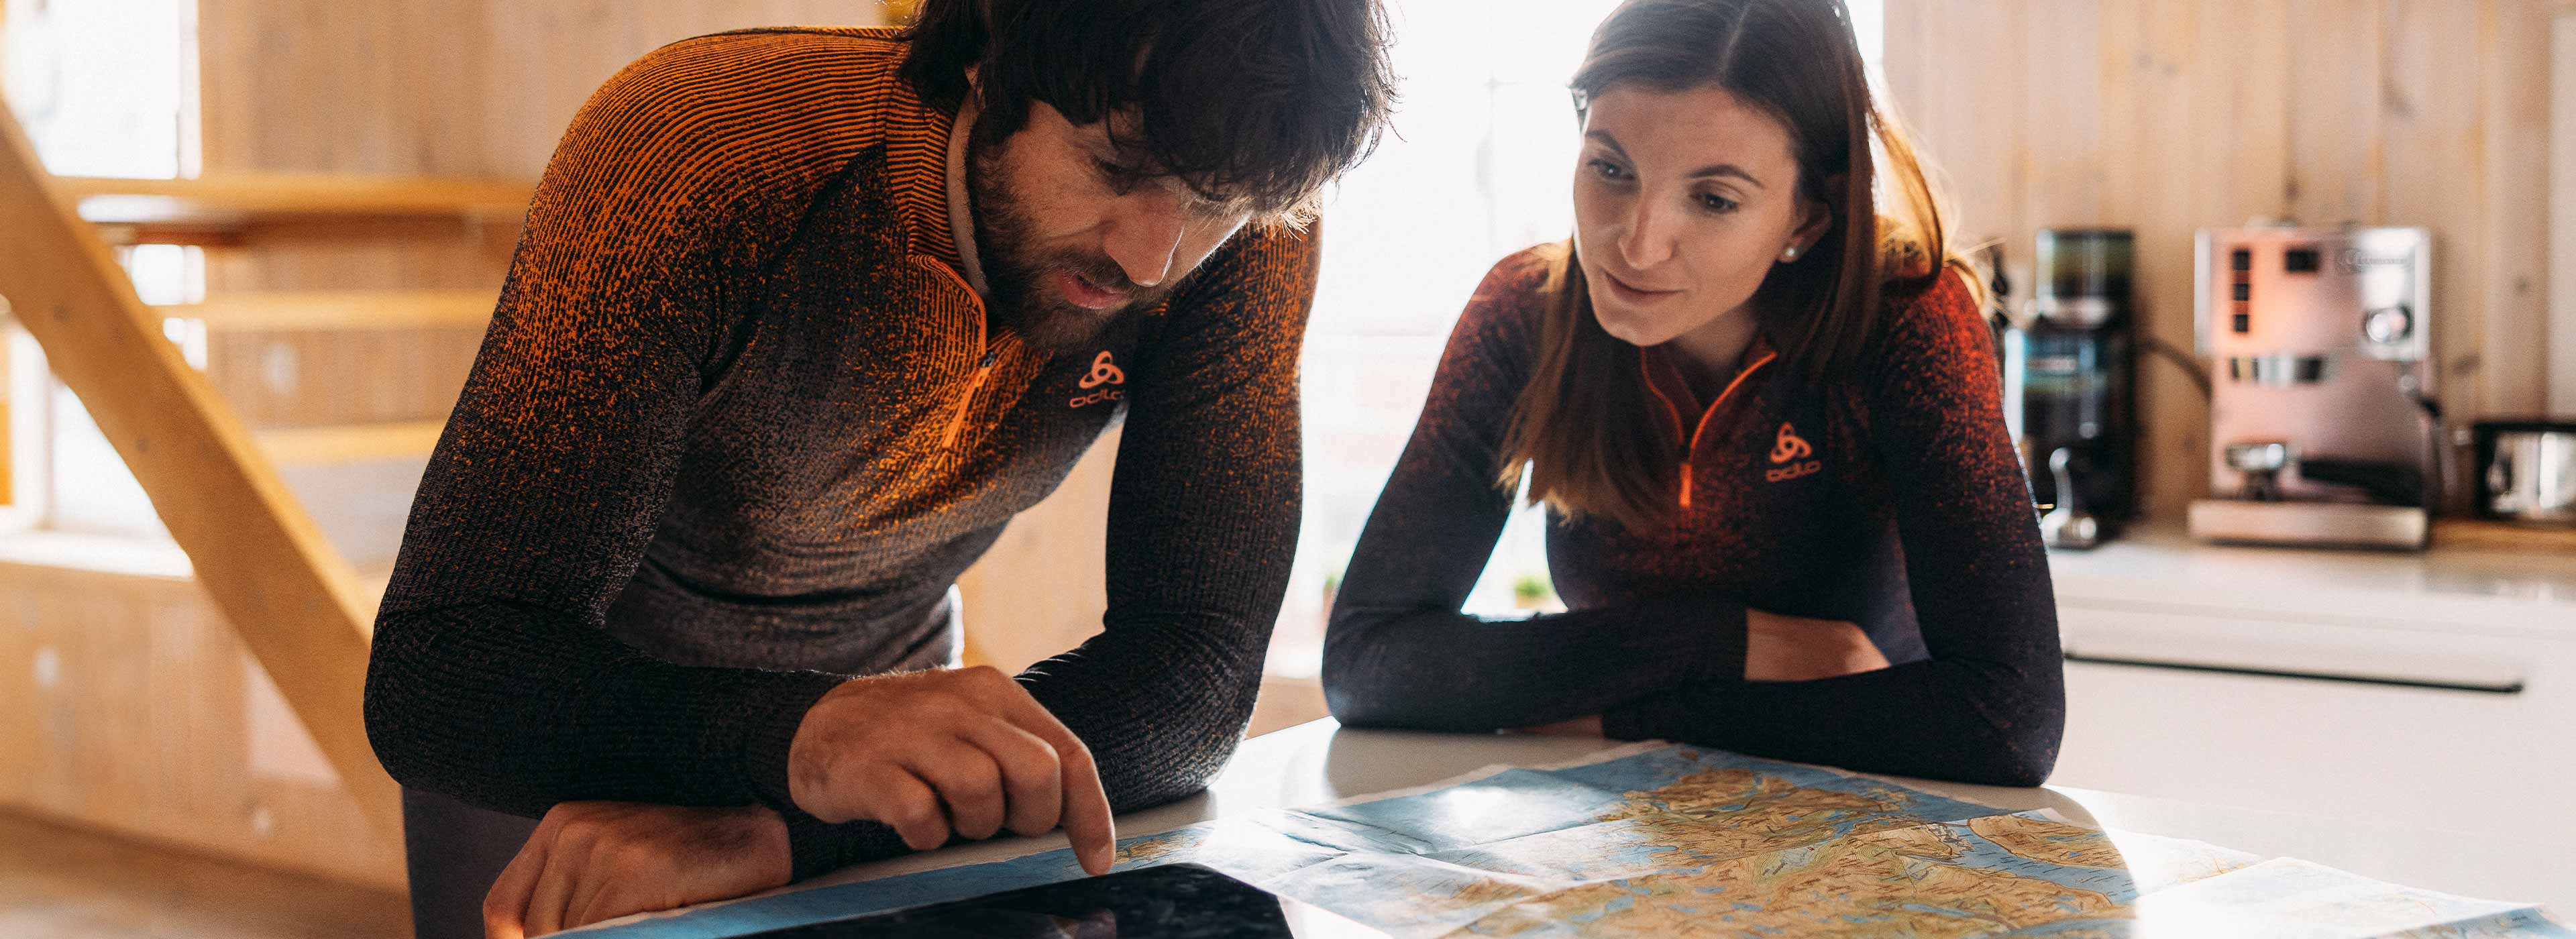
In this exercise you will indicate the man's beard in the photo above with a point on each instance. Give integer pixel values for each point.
(1015, 272)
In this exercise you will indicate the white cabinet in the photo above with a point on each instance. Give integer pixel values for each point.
(2492, 763)
(2396, 736)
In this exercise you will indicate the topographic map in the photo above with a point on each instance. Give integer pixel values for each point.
(1661, 840)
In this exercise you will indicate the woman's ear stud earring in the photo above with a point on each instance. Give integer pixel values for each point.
(1791, 254)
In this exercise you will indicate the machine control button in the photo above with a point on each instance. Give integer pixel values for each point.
(2388, 325)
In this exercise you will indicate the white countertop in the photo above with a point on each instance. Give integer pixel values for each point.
(1320, 762)
(2474, 589)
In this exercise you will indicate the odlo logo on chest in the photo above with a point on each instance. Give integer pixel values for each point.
(1103, 372)
(1789, 455)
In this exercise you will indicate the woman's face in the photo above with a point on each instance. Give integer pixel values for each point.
(1683, 201)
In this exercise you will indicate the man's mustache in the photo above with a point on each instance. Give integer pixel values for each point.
(1100, 271)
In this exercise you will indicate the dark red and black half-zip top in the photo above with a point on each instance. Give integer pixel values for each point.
(1891, 498)
(738, 425)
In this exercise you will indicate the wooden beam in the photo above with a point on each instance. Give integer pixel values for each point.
(244, 197)
(340, 310)
(298, 445)
(8, 423)
(293, 599)
(234, 210)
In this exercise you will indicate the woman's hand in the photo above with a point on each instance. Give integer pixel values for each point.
(1780, 647)
(595, 861)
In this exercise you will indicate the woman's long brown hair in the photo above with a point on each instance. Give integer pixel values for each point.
(1582, 435)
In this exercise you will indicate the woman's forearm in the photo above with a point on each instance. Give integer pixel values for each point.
(1990, 722)
(1432, 669)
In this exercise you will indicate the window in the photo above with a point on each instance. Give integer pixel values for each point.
(1478, 167)
(103, 88)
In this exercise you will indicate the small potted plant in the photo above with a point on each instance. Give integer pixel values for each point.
(1532, 592)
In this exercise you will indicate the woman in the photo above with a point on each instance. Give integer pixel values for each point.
(1787, 516)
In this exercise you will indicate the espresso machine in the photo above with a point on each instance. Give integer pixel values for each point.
(2070, 385)
(2324, 425)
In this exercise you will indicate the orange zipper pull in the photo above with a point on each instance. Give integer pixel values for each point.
(966, 401)
(1686, 476)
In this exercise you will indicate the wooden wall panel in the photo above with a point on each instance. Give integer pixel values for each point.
(2513, 94)
(2430, 125)
(2063, 171)
(128, 709)
(2336, 157)
(2168, 116)
(307, 378)
(2562, 207)
(439, 87)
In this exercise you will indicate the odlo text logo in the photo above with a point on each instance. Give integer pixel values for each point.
(1103, 372)
(1791, 453)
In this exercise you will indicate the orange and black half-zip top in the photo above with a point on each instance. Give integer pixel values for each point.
(1890, 497)
(738, 425)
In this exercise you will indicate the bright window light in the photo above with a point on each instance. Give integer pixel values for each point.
(104, 88)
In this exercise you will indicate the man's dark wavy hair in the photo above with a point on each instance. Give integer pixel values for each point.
(1252, 102)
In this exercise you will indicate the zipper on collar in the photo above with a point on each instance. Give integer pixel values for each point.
(983, 336)
(966, 399)
(1691, 447)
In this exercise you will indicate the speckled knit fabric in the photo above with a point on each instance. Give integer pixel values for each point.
(1892, 499)
(738, 425)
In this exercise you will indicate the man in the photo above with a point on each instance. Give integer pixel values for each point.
(801, 318)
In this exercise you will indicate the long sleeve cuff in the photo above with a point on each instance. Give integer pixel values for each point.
(1721, 659)
(818, 847)
(774, 713)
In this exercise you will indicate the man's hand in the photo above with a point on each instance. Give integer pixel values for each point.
(595, 861)
(1780, 647)
(962, 750)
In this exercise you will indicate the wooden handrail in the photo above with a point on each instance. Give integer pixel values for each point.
(339, 310)
(233, 209)
(8, 457)
(292, 597)
(255, 195)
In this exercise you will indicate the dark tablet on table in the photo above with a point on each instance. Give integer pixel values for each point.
(1172, 901)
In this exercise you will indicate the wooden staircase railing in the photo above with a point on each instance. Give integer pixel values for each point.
(296, 603)
(338, 311)
(242, 208)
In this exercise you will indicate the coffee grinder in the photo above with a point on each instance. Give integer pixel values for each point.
(2070, 385)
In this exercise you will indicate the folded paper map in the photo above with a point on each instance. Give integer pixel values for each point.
(1663, 840)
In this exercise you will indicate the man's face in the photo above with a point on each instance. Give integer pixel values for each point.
(1072, 231)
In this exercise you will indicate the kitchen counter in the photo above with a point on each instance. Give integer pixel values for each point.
(2362, 687)
(2477, 589)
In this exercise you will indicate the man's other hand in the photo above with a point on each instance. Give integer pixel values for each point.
(954, 750)
(595, 861)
